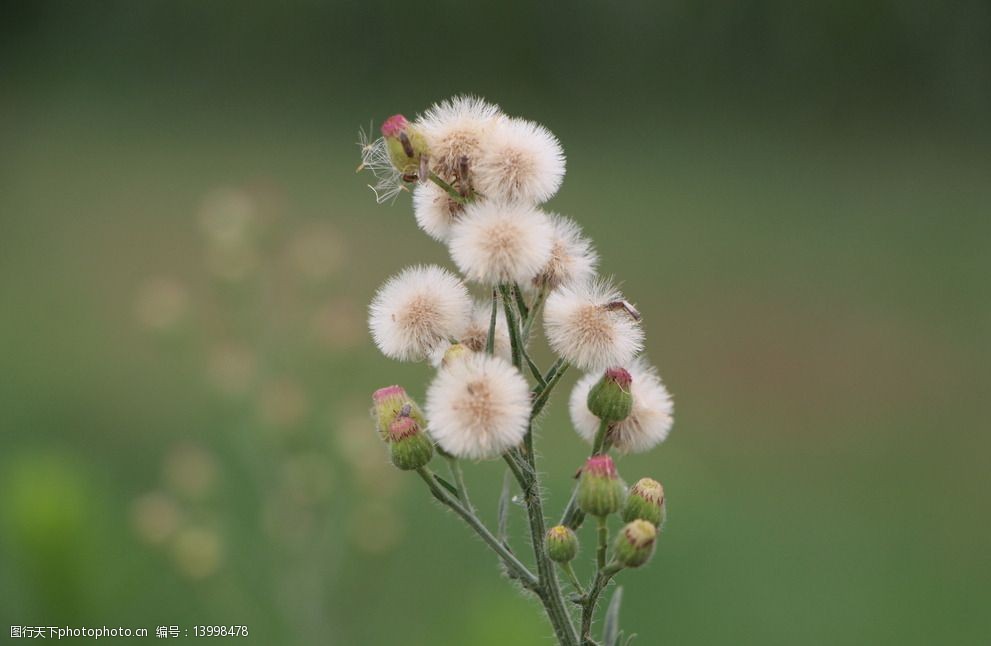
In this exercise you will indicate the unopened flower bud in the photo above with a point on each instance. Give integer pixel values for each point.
(390, 403)
(411, 449)
(645, 502)
(610, 399)
(635, 543)
(406, 144)
(600, 491)
(562, 544)
(455, 352)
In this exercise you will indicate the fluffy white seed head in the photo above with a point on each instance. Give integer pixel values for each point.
(573, 259)
(649, 422)
(435, 211)
(478, 407)
(417, 310)
(592, 326)
(458, 127)
(522, 161)
(496, 242)
(477, 333)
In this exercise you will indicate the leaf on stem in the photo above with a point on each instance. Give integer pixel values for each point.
(504, 500)
(610, 627)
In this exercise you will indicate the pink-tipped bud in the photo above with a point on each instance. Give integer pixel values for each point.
(394, 125)
(410, 448)
(610, 398)
(402, 428)
(600, 491)
(406, 145)
(391, 403)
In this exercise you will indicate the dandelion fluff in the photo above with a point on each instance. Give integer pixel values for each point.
(522, 161)
(649, 422)
(435, 211)
(478, 407)
(417, 310)
(501, 243)
(590, 326)
(573, 259)
(455, 128)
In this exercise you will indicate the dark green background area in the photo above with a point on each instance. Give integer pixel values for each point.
(795, 194)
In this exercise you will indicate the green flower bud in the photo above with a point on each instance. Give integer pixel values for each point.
(600, 491)
(645, 502)
(635, 543)
(411, 449)
(406, 144)
(455, 352)
(562, 544)
(390, 403)
(610, 399)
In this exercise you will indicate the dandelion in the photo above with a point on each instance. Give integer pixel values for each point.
(455, 130)
(647, 425)
(573, 259)
(592, 327)
(478, 407)
(521, 161)
(418, 310)
(501, 243)
(435, 211)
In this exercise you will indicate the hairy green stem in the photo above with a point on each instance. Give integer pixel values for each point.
(459, 482)
(490, 339)
(600, 552)
(572, 577)
(516, 568)
(602, 578)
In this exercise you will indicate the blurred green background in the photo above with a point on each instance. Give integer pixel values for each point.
(796, 194)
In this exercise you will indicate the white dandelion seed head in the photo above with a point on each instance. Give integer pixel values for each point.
(435, 211)
(586, 326)
(495, 242)
(418, 310)
(478, 407)
(649, 422)
(573, 259)
(458, 127)
(521, 161)
(375, 158)
(477, 332)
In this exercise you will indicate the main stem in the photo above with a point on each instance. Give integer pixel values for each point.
(548, 589)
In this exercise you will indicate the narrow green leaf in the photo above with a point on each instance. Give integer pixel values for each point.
(447, 485)
(503, 528)
(610, 627)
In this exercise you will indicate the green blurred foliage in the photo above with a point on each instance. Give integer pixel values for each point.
(796, 194)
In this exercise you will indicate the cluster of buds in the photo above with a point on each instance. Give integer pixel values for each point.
(602, 493)
(401, 424)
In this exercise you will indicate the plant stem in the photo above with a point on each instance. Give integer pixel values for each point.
(490, 339)
(459, 482)
(451, 191)
(535, 307)
(513, 564)
(548, 589)
(573, 578)
(602, 578)
(600, 553)
(513, 325)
